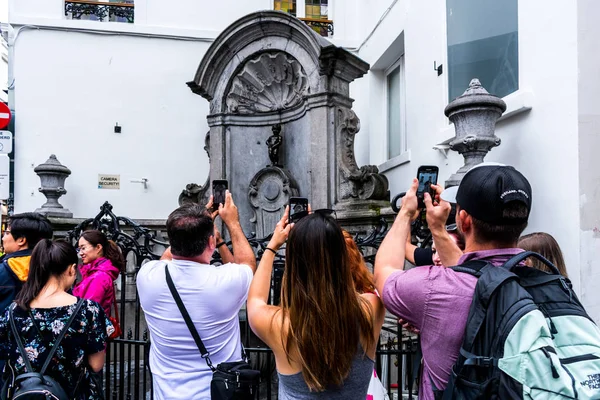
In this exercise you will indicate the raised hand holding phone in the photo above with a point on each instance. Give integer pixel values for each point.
(427, 176)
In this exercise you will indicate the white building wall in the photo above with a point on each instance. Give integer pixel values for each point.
(70, 91)
(542, 143)
(74, 80)
(589, 162)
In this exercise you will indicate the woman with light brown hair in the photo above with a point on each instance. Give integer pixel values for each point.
(547, 246)
(324, 334)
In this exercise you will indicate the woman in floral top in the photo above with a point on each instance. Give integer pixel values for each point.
(43, 308)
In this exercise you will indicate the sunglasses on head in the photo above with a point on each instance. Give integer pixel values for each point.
(325, 212)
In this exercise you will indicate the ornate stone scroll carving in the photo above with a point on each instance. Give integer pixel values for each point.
(364, 183)
(194, 193)
(269, 192)
(269, 82)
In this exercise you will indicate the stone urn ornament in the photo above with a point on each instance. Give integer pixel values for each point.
(52, 176)
(474, 115)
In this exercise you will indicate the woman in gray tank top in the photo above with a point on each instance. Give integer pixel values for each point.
(323, 334)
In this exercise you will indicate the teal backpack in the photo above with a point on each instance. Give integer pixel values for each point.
(527, 337)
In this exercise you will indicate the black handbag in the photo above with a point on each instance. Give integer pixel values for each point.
(231, 380)
(36, 385)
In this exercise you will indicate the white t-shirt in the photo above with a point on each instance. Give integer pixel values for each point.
(213, 296)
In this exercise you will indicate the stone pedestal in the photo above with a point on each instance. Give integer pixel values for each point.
(52, 176)
(474, 115)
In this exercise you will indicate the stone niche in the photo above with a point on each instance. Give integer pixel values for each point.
(270, 72)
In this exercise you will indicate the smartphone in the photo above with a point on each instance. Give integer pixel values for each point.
(219, 186)
(427, 176)
(298, 208)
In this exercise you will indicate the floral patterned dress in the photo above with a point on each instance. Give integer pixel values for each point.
(87, 335)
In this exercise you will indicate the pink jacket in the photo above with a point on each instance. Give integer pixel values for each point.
(97, 282)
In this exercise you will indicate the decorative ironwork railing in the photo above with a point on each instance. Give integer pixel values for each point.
(116, 12)
(323, 27)
(126, 372)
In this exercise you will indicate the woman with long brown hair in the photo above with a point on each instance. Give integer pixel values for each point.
(324, 334)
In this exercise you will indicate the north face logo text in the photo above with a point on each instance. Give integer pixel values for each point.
(593, 381)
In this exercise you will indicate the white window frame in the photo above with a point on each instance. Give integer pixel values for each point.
(404, 155)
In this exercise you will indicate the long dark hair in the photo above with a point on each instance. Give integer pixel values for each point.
(110, 249)
(47, 259)
(320, 301)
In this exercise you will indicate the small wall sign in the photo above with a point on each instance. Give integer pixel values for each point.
(109, 181)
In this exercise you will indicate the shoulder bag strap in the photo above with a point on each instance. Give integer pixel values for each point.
(61, 336)
(188, 321)
(17, 336)
(114, 301)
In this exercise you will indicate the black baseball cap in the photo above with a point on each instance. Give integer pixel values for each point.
(486, 189)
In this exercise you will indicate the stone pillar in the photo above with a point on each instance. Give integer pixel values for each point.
(52, 176)
(474, 115)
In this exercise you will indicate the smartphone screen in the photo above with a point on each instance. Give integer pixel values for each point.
(219, 186)
(427, 176)
(298, 208)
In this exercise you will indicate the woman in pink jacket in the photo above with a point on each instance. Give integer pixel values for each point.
(102, 263)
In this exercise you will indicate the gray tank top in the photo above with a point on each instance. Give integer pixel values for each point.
(293, 387)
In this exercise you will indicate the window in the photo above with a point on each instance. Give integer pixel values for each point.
(483, 44)
(100, 10)
(396, 109)
(288, 6)
(316, 9)
(314, 13)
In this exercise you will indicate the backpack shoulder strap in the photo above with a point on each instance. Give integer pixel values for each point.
(490, 279)
(17, 336)
(188, 320)
(473, 267)
(61, 336)
(514, 261)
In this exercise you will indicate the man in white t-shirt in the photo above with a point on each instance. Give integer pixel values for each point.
(213, 296)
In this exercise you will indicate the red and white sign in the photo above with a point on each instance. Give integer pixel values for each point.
(4, 115)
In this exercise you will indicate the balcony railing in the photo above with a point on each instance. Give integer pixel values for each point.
(323, 27)
(100, 11)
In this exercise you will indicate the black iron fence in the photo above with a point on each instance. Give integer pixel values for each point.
(126, 372)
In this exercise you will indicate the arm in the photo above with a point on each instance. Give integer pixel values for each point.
(437, 214)
(409, 251)
(390, 256)
(96, 361)
(378, 317)
(224, 251)
(242, 252)
(260, 314)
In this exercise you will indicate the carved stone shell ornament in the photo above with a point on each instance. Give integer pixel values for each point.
(270, 82)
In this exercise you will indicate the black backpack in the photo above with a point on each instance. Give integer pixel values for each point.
(527, 337)
(33, 385)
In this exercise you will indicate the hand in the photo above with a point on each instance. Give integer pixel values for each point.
(209, 208)
(281, 232)
(437, 210)
(408, 326)
(229, 212)
(409, 201)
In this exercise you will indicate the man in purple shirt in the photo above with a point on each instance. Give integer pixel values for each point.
(493, 202)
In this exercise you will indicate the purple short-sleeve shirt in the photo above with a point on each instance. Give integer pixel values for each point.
(436, 300)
